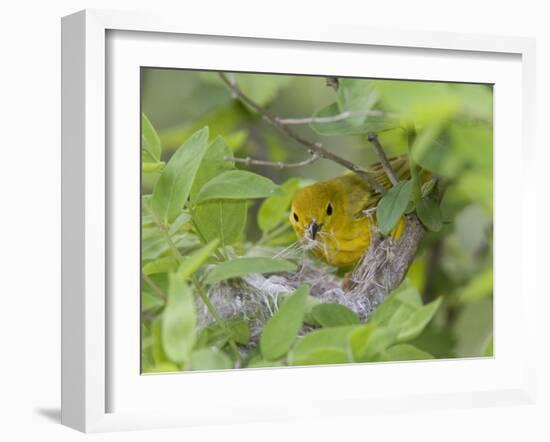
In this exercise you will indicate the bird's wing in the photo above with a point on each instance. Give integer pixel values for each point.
(400, 166)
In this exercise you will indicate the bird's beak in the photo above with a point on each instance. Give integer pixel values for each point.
(312, 230)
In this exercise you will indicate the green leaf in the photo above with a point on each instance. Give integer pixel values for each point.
(418, 102)
(223, 219)
(216, 334)
(403, 313)
(403, 352)
(356, 96)
(155, 245)
(472, 145)
(384, 313)
(159, 355)
(174, 184)
(247, 265)
(150, 302)
(152, 167)
(414, 325)
(179, 320)
(166, 264)
(237, 185)
(181, 220)
(213, 163)
(437, 341)
(191, 263)
(479, 287)
(476, 100)
(209, 359)
(400, 316)
(333, 315)
(150, 141)
(274, 209)
(429, 213)
(280, 331)
(473, 327)
(322, 356)
(425, 140)
(319, 342)
(478, 188)
(369, 340)
(392, 206)
(471, 226)
(262, 88)
(329, 123)
(240, 330)
(433, 150)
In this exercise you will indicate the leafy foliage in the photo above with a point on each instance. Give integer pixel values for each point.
(392, 206)
(174, 184)
(150, 142)
(332, 315)
(236, 185)
(179, 321)
(247, 265)
(280, 332)
(208, 221)
(429, 213)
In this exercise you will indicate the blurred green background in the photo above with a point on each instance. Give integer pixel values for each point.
(454, 141)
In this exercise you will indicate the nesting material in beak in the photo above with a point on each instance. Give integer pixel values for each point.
(312, 229)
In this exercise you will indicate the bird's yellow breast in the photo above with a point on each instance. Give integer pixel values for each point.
(345, 247)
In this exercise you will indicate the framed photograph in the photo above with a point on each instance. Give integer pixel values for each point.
(266, 224)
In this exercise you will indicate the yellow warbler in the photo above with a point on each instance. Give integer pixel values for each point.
(335, 218)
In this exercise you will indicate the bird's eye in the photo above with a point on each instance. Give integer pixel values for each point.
(329, 209)
(295, 216)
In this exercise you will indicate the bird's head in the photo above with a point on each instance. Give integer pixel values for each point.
(315, 211)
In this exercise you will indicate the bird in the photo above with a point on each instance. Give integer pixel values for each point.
(335, 219)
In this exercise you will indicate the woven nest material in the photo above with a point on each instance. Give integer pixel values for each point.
(381, 270)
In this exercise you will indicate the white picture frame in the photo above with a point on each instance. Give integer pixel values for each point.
(91, 353)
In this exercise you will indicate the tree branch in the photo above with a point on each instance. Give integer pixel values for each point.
(332, 119)
(311, 146)
(373, 138)
(249, 161)
(332, 82)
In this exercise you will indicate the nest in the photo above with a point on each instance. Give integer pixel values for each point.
(381, 270)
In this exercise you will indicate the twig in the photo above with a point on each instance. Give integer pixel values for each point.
(373, 138)
(332, 82)
(332, 119)
(251, 161)
(154, 286)
(310, 145)
(233, 80)
(166, 234)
